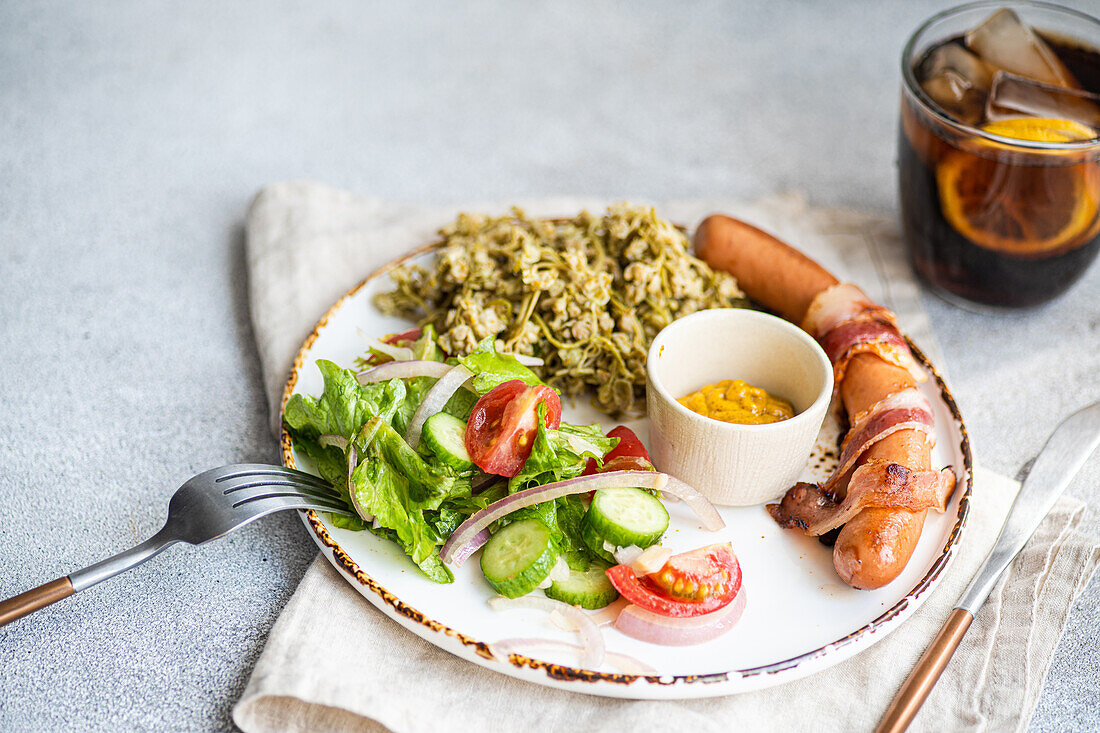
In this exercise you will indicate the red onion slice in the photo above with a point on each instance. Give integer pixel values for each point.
(624, 662)
(594, 650)
(698, 503)
(463, 553)
(609, 613)
(647, 626)
(463, 542)
(397, 353)
(560, 572)
(434, 401)
(403, 370)
(626, 555)
(353, 461)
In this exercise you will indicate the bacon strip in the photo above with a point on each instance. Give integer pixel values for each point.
(846, 322)
(905, 409)
(849, 338)
(879, 484)
(839, 303)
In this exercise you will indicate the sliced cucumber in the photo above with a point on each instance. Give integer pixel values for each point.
(624, 517)
(595, 542)
(445, 436)
(519, 557)
(590, 589)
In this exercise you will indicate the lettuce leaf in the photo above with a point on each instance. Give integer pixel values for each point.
(413, 503)
(426, 484)
(426, 347)
(560, 454)
(355, 524)
(342, 409)
(491, 368)
(344, 405)
(587, 441)
(415, 389)
(383, 491)
(461, 404)
(391, 481)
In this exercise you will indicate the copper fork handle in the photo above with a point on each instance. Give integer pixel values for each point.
(923, 677)
(34, 599)
(55, 590)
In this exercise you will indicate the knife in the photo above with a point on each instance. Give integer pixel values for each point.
(1069, 446)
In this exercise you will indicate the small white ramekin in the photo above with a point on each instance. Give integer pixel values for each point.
(735, 465)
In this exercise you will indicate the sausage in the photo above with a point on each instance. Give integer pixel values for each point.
(875, 545)
(771, 273)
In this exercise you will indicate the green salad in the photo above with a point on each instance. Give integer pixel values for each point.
(414, 478)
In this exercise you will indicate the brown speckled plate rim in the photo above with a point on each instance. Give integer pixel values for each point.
(562, 673)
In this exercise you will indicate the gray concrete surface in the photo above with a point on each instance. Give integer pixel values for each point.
(132, 136)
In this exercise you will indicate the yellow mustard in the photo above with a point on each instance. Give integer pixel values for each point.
(733, 400)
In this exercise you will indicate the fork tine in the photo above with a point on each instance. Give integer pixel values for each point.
(301, 476)
(329, 493)
(294, 501)
(245, 470)
(344, 510)
(251, 511)
(280, 485)
(295, 473)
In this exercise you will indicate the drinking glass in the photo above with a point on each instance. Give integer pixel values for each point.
(1000, 208)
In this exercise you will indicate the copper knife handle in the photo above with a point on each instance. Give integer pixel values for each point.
(34, 599)
(923, 677)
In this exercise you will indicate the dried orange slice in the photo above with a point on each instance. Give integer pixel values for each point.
(1025, 210)
(1041, 129)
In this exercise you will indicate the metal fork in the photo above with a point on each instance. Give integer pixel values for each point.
(206, 507)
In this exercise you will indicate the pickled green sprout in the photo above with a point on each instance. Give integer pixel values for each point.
(587, 295)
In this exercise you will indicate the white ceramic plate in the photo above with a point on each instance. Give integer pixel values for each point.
(800, 617)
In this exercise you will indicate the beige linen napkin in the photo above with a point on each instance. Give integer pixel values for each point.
(334, 662)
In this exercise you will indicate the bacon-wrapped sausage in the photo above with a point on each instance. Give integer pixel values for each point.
(811, 508)
(907, 409)
(883, 486)
(847, 323)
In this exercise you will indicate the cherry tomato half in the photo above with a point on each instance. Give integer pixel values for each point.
(628, 455)
(690, 584)
(502, 426)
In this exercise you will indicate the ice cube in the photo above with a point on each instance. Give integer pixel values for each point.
(1016, 96)
(956, 96)
(1006, 42)
(953, 57)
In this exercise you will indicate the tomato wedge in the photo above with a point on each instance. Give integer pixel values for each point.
(403, 338)
(628, 455)
(625, 463)
(690, 584)
(501, 430)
